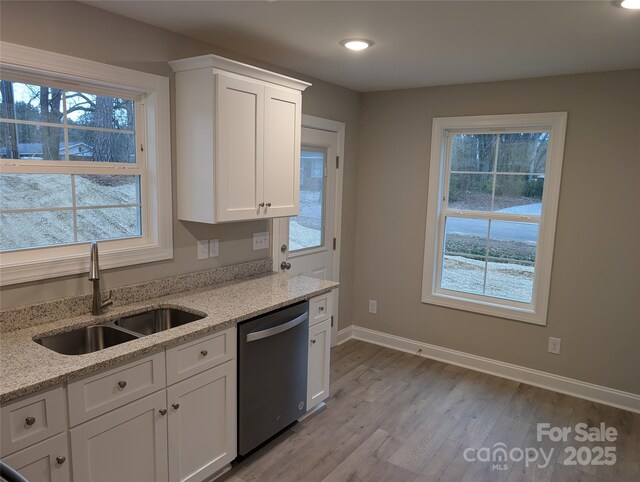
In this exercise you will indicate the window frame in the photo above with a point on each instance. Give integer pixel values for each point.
(153, 164)
(439, 172)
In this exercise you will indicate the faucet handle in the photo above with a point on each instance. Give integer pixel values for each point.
(107, 301)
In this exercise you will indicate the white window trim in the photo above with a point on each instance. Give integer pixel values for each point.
(536, 312)
(157, 242)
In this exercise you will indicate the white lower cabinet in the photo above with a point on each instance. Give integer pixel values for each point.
(127, 444)
(202, 423)
(319, 355)
(46, 461)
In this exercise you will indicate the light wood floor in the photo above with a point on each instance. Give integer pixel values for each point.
(393, 416)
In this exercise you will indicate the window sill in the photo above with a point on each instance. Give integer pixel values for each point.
(485, 308)
(14, 271)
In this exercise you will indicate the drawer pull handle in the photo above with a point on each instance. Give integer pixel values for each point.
(175, 406)
(30, 420)
(163, 411)
(122, 384)
(313, 340)
(60, 459)
(320, 308)
(204, 352)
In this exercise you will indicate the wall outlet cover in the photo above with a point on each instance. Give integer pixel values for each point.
(554, 345)
(373, 306)
(213, 248)
(260, 241)
(203, 249)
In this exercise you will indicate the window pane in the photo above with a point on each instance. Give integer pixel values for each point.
(463, 273)
(30, 102)
(21, 141)
(99, 146)
(99, 111)
(306, 230)
(463, 261)
(510, 280)
(473, 152)
(108, 223)
(466, 236)
(33, 229)
(518, 194)
(30, 191)
(511, 240)
(470, 191)
(524, 152)
(102, 190)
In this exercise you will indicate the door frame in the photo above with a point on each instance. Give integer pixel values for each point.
(337, 128)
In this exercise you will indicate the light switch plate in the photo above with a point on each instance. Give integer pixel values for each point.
(373, 306)
(260, 240)
(203, 248)
(213, 248)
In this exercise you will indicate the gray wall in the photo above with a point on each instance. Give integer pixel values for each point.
(83, 31)
(595, 285)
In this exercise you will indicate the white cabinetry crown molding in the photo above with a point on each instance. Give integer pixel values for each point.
(234, 67)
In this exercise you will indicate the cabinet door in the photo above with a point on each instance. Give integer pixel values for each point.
(129, 443)
(282, 152)
(202, 423)
(319, 356)
(45, 461)
(239, 148)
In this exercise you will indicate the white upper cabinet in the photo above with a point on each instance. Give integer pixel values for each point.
(238, 141)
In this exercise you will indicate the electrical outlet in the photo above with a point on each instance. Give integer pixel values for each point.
(554, 345)
(260, 241)
(213, 248)
(373, 306)
(203, 249)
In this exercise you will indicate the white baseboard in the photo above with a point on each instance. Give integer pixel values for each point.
(569, 386)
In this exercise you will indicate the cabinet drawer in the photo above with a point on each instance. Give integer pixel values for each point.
(48, 460)
(32, 419)
(196, 356)
(105, 391)
(320, 308)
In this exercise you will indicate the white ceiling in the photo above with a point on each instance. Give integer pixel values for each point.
(416, 43)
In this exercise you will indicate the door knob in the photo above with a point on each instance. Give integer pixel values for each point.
(284, 265)
(283, 248)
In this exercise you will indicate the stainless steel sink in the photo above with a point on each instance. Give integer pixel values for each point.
(155, 321)
(85, 340)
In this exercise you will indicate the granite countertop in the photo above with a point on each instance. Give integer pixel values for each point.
(27, 367)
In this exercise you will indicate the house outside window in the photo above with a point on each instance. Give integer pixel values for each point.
(84, 156)
(493, 196)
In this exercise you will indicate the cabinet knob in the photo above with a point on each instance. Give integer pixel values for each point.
(30, 420)
(122, 384)
(320, 308)
(175, 406)
(163, 411)
(284, 265)
(313, 340)
(261, 205)
(60, 459)
(204, 352)
(268, 205)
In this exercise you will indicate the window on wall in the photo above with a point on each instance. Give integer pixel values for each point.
(83, 157)
(493, 195)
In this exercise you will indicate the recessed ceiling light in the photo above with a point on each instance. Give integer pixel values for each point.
(356, 43)
(631, 4)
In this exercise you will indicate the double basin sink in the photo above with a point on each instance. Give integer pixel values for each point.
(89, 339)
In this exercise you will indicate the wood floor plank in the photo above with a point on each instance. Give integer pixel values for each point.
(393, 416)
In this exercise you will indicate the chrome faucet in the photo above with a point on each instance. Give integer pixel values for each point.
(97, 305)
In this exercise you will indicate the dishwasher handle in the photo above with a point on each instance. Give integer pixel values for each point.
(259, 335)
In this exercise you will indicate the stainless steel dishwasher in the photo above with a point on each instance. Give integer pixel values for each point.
(272, 374)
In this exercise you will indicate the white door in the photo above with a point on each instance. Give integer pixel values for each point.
(127, 444)
(46, 461)
(239, 148)
(202, 423)
(309, 244)
(281, 152)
